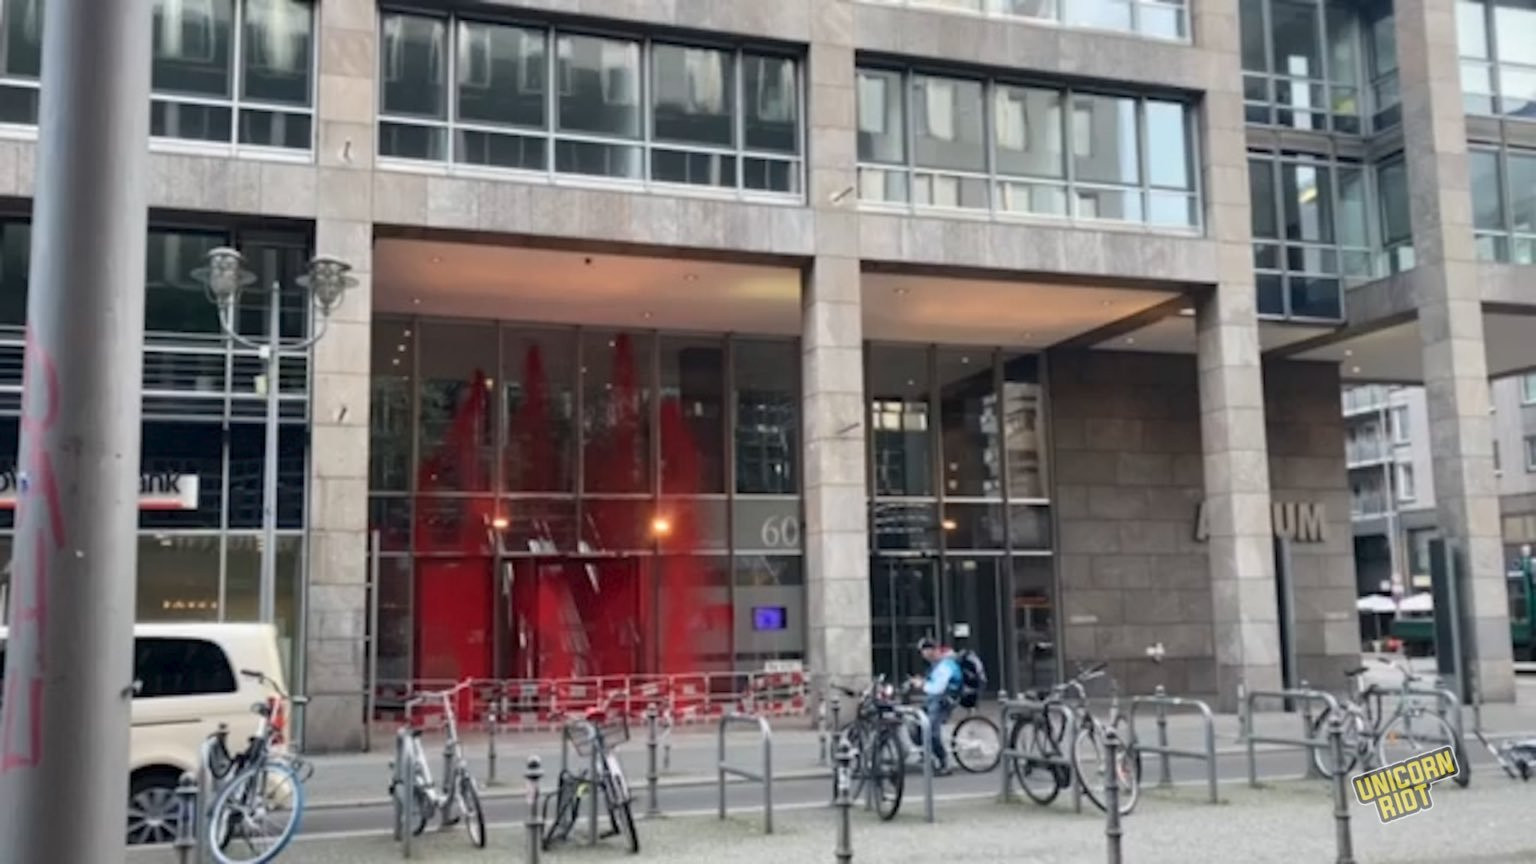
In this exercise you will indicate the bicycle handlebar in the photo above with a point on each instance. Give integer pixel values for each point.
(264, 680)
(425, 696)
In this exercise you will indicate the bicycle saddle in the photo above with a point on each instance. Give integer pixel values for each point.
(1355, 672)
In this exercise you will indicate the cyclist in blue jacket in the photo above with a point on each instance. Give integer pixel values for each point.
(940, 690)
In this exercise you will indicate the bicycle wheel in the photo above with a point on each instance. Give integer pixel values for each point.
(1089, 764)
(621, 814)
(1409, 735)
(567, 801)
(888, 772)
(1356, 742)
(256, 814)
(1039, 780)
(976, 744)
(469, 809)
(858, 772)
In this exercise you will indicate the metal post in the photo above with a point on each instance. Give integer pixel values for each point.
(652, 804)
(927, 742)
(720, 763)
(592, 799)
(837, 725)
(1164, 772)
(822, 737)
(64, 732)
(404, 777)
(1245, 705)
(206, 790)
(268, 610)
(1112, 830)
(1306, 731)
(490, 745)
(535, 822)
(1210, 752)
(844, 802)
(1340, 790)
(186, 828)
(767, 777)
(371, 695)
(1009, 757)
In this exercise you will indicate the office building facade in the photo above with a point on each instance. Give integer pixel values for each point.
(695, 335)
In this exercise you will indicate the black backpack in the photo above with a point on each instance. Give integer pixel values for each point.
(973, 677)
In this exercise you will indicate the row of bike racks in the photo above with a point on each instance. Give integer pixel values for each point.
(726, 769)
(1024, 709)
(1160, 702)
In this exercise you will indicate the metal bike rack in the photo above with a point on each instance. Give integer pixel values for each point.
(405, 821)
(1012, 708)
(926, 739)
(1161, 701)
(1447, 705)
(765, 732)
(1308, 744)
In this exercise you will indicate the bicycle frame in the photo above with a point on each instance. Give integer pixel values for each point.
(453, 755)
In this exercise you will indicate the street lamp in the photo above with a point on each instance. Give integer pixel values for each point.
(224, 277)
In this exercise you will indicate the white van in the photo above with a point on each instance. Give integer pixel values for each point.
(190, 682)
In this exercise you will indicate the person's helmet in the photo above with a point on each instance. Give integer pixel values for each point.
(926, 643)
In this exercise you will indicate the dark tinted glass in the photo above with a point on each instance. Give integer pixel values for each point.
(276, 51)
(192, 47)
(693, 95)
(503, 75)
(413, 63)
(771, 103)
(181, 667)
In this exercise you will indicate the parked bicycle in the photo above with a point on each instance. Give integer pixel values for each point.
(601, 732)
(260, 801)
(1374, 738)
(876, 733)
(973, 741)
(457, 797)
(1516, 758)
(1040, 735)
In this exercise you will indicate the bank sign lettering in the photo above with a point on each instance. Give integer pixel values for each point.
(164, 490)
(1297, 521)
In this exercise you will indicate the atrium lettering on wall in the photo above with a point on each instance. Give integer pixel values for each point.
(1297, 521)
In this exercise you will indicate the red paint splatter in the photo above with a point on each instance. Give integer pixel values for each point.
(40, 388)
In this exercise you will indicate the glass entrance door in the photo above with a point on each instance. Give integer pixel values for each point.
(577, 617)
(905, 600)
(972, 615)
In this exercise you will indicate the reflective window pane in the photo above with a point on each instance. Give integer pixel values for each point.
(1251, 20)
(1170, 156)
(1392, 185)
(882, 117)
(1518, 86)
(616, 427)
(502, 75)
(1316, 297)
(1472, 28)
(694, 169)
(974, 526)
(1487, 192)
(1514, 27)
(901, 428)
(1028, 126)
(947, 190)
(603, 160)
(389, 417)
(275, 57)
(948, 123)
(767, 421)
(692, 415)
(693, 95)
(413, 63)
(409, 141)
(1294, 30)
(1341, 19)
(276, 129)
(1308, 196)
(538, 385)
(599, 82)
(457, 420)
(518, 152)
(904, 526)
(192, 122)
(970, 425)
(1352, 218)
(192, 47)
(1024, 429)
(1104, 139)
(178, 578)
(173, 301)
(771, 103)
(1261, 195)
(23, 27)
(1522, 192)
(1270, 289)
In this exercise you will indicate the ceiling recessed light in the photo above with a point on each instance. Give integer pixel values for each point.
(964, 360)
(437, 259)
(901, 290)
(415, 301)
(406, 334)
(1130, 340)
(400, 348)
(911, 383)
(646, 315)
(690, 277)
(396, 361)
(1187, 312)
(1354, 370)
(1349, 352)
(1104, 302)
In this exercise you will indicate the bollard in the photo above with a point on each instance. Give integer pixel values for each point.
(490, 744)
(822, 737)
(1306, 728)
(1112, 830)
(1340, 790)
(186, 827)
(535, 823)
(844, 801)
(1164, 772)
(652, 806)
(837, 725)
(403, 787)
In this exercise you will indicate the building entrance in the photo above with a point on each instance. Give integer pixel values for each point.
(575, 616)
(954, 601)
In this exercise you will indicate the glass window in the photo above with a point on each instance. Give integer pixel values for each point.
(276, 53)
(599, 86)
(247, 469)
(970, 425)
(1028, 124)
(900, 420)
(692, 416)
(181, 667)
(1104, 139)
(882, 117)
(1530, 454)
(1251, 20)
(771, 96)
(21, 54)
(1472, 29)
(616, 428)
(1261, 195)
(178, 577)
(181, 457)
(1514, 27)
(173, 303)
(389, 414)
(456, 422)
(947, 124)
(693, 95)
(502, 74)
(1392, 182)
(1170, 157)
(1294, 29)
(1487, 191)
(192, 47)
(1352, 218)
(538, 381)
(1308, 195)
(15, 263)
(242, 588)
(413, 61)
(767, 421)
(1528, 388)
(1522, 188)
(1024, 429)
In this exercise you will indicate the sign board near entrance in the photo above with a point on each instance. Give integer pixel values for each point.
(1297, 521)
(159, 491)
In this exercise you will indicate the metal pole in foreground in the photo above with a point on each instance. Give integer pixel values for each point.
(535, 824)
(268, 586)
(1164, 771)
(1112, 830)
(490, 757)
(64, 730)
(1340, 790)
(652, 805)
(844, 802)
(186, 832)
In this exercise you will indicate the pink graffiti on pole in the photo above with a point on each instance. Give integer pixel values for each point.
(38, 486)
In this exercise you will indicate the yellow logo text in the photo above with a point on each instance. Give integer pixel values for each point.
(1402, 789)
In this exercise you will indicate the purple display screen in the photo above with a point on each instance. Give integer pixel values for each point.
(770, 618)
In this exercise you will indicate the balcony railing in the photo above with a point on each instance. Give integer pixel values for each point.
(1366, 451)
(1358, 400)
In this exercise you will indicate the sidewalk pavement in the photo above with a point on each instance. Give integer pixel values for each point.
(359, 779)
(1282, 823)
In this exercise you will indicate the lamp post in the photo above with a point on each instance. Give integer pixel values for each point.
(225, 277)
